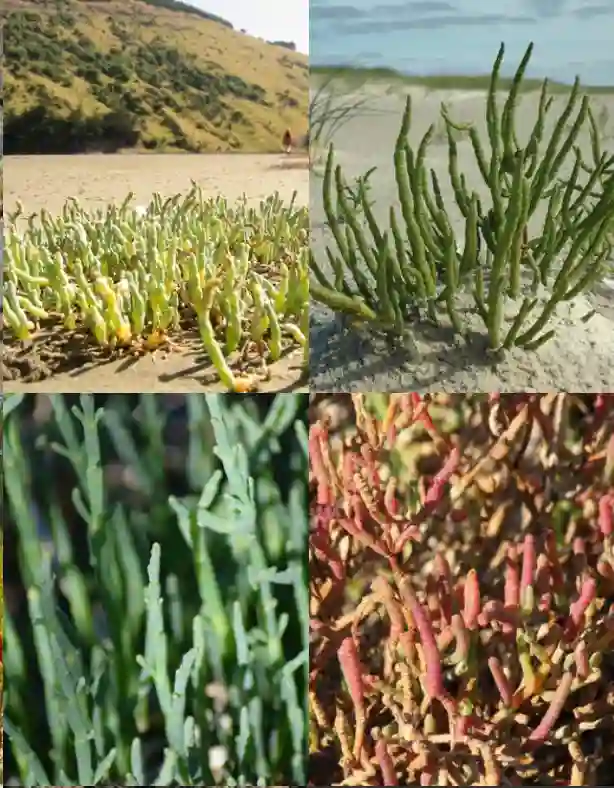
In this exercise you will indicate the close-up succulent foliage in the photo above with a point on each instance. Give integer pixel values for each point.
(156, 589)
(461, 560)
(538, 232)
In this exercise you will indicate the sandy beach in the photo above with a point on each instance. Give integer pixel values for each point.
(579, 358)
(98, 179)
(55, 362)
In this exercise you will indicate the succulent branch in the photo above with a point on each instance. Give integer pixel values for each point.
(416, 269)
(472, 618)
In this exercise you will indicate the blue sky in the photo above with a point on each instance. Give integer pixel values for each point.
(286, 20)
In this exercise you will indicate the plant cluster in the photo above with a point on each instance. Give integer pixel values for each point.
(39, 130)
(134, 277)
(416, 269)
(156, 582)
(461, 591)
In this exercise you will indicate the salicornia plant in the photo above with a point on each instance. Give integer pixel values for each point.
(417, 268)
(461, 560)
(137, 278)
(157, 564)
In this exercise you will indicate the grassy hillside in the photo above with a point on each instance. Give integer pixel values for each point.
(156, 75)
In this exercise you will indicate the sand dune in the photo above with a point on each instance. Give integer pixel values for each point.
(580, 358)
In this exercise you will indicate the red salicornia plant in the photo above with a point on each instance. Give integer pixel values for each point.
(462, 590)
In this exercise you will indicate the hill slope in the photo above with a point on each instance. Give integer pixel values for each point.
(158, 75)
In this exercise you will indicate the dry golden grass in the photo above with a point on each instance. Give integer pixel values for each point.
(210, 46)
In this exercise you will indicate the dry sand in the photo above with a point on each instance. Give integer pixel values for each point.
(56, 362)
(580, 358)
(98, 179)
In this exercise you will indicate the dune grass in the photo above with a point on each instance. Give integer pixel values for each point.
(355, 77)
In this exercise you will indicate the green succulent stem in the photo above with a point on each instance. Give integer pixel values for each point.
(414, 270)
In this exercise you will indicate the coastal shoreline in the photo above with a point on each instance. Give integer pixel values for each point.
(358, 76)
(98, 179)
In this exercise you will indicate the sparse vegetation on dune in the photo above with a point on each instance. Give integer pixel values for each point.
(418, 268)
(83, 76)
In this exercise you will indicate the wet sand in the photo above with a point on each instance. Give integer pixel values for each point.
(98, 179)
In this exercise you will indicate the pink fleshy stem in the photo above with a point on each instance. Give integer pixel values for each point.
(511, 591)
(433, 680)
(385, 763)
(472, 602)
(444, 584)
(501, 680)
(540, 734)
(582, 663)
(325, 552)
(348, 468)
(494, 610)
(409, 531)
(445, 637)
(437, 487)
(390, 497)
(325, 496)
(420, 413)
(355, 527)
(353, 672)
(432, 598)
(606, 515)
(428, 771)
(578, 546)
(527, 599)
(369, 458)
(579, 607)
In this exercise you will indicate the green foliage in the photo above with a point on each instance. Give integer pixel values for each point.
(138, 75)
(158, 563)
(177, 5)
(416, 269)
(39, 130)
(46, 50)
(285, 44)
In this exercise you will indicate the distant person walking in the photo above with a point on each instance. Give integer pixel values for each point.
(287, 141)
